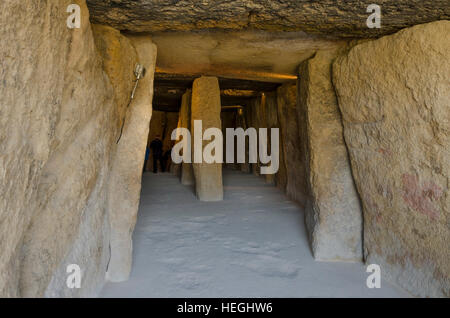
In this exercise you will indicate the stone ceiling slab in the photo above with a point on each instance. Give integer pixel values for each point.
(341, 19)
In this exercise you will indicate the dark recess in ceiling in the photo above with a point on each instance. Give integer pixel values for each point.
(169, 88)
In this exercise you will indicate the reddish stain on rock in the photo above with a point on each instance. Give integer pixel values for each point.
(385, 152)
(421, 197)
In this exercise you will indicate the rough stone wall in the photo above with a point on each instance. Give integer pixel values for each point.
(184, 121)
(119, 59)
(333, 212)
(206, 107)
(394, 97)
(329, 17)
(55, 150)
(55, 143)
(125, 179)
(293, 151)
(60, 119)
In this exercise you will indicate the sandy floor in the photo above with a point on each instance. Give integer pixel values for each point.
(253, 244)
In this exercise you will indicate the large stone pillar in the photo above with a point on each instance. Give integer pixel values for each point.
(206, 107)
(126, 174)
(292, 151)
(333, 211)
(186, 173)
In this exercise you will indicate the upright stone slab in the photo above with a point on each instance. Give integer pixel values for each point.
(333, 211)
(292, 151)
(206, 107)
(186, 171)
(394, 97)
(126, 174)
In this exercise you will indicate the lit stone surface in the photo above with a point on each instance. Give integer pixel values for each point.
(187, 172)
(333, 212)
(125, 180)
(206, 107)
(340, 19)
(394, 97)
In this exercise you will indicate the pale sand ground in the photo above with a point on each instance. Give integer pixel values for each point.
(253, 244)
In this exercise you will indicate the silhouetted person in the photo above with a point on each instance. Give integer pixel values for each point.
(157, 150)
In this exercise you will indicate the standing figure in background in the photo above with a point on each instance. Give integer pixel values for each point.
(157, 150)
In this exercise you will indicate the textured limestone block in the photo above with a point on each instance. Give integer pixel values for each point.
(119, 59)
(394, 97)
(206, 107)
(333, 212)
(186, 171)
(57, 129)
(126, 173)
(328, 17)
(293, 151)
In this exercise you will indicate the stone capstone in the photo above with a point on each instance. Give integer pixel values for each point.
(327, 17)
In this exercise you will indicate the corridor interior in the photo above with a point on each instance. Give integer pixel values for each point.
(363, 145)
(188, 242)
(251, 244)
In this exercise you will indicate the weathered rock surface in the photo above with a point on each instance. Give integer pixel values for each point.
(293, 152)
(119, 59)
(340, 19)
(394, 97)
(57, 131)
(206, 107)
(184, 121)
(250, 54)
(125, 179)
(333, 212)
(60, 119)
